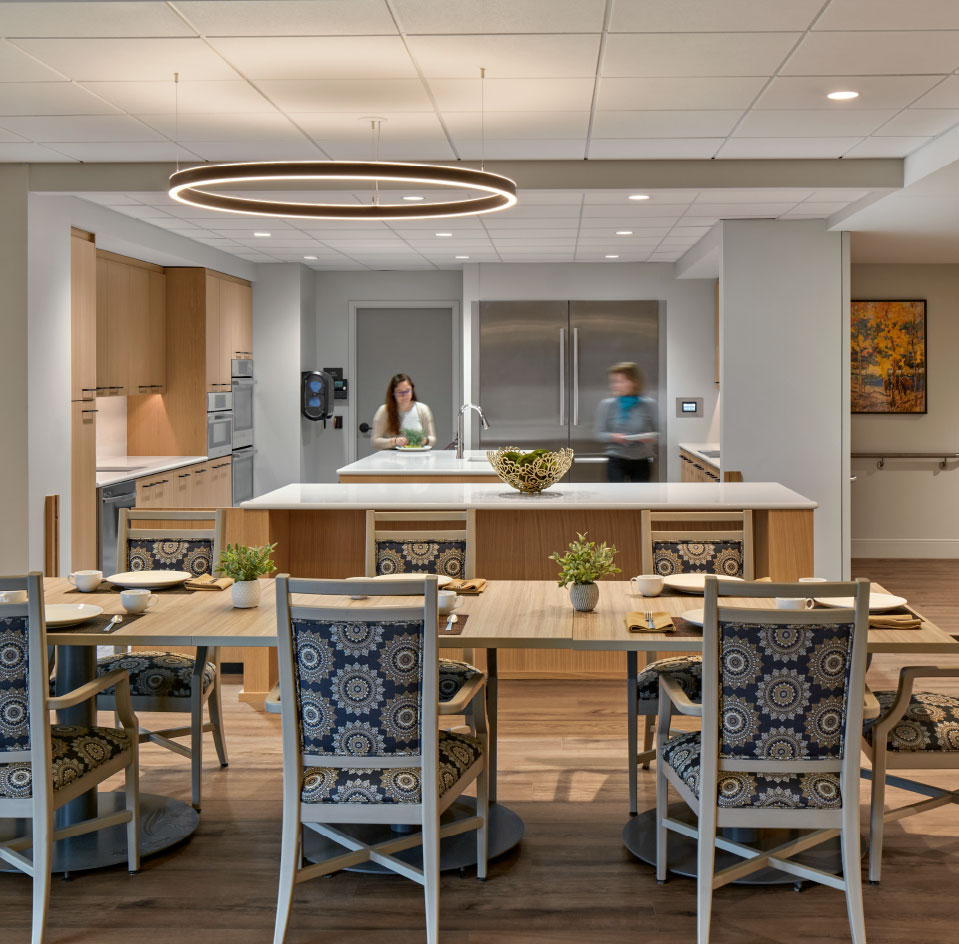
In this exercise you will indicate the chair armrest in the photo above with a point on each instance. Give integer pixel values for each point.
(678, 697)
(88, 690)
(457, 704)
(871, 708)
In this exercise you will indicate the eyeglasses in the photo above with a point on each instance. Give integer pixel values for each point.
(402, 392)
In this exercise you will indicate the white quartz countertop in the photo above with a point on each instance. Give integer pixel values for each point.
(705, 496)
(114, 469)
(437, 462)
(699, 450)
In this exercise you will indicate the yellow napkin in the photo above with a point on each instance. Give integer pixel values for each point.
(208, 582)
(662, 623)
(763, 580)
(885, 621)
(469, 587)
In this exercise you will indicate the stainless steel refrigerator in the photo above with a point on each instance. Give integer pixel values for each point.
(542, 372)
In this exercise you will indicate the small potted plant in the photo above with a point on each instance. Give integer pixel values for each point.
(582, 565)
(244, 565)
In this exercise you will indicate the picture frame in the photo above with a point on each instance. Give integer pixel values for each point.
(888, 368)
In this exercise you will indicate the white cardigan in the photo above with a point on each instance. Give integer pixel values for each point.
(383, 439)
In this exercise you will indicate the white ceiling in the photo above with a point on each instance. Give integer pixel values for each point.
(565, 79)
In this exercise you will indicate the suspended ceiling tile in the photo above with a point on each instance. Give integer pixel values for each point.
(288, 17)
(17, 66)
(550, 197)
(516, 16)
(821, 210)
(506, 57)
(49, 98)
(318, 57)
(469, 125)
(920, 122)
(505, 149)
(256, 150)
(89, 128)
(889, 15)
(141, 212)
(124, 151)
(635, 213)
(664, 124)
(786, 147)
(35, 153)
(944, 95)
(110, 199)
(872, 52)
(558, 233)
(653, 148)
(395, 149)
(129, 59)
(733, 210)
(678, 93)
(875, 91)
(887, 147)
(656, 197)
(811, 123)
(759, 195)
(72, 19)
(355, 96)
(513, 94)
(8, 137)
(161, 98)
(263, 126)
(697, 231)
(535, 211)
(338, 126)
(665, 16)
(692, 54)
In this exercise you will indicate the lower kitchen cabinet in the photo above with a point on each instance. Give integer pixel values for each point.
(201, 485)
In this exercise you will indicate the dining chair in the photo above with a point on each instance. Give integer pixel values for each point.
(782, 709)
(70, 759)
(362, 743)
(170, 681)
(677, 543)
(916, 731)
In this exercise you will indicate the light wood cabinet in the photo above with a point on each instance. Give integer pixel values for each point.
(113, 308)
(184, 488)
(221, 482)
(83, 316)
(695, 469)
(216, 379)
(201, 485)
(155, 491)
(83, 485)
(229, 327)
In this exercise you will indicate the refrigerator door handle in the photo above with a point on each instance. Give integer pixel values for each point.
(562, 376)
(575, 376)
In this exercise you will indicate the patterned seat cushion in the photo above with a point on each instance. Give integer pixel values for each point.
(194, 556)
(686, 670)
(155, 673)
(446, 558)
(76, 752)
(457, 753)
(931, 722)
(722, 558)
(453, 676)
(818, 791)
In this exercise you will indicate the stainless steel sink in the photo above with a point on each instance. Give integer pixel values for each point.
(711, 453)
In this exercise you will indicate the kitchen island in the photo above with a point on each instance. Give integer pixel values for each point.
(437, 465)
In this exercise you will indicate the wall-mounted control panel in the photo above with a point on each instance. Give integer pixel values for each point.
(689, 406)
(340, 385)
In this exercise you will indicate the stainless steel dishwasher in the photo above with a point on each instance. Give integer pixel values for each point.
(112, 499)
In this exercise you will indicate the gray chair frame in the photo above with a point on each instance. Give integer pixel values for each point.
(641, 757)
(198, 697)
(825, 824)
(40, 807)
(323, 817)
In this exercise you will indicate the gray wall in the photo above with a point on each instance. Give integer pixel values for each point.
(911, 508)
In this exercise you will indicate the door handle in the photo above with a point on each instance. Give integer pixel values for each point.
(575, 376)
(364, 427)
(562, 376)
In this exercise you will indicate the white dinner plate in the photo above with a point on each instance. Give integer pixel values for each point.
(69, 614)
(149, 579)
(695, 617)
(441, 579)
(691, 583)
(878, 602)
(412, 448)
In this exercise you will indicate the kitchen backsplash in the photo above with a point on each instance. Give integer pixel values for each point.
(111, 426)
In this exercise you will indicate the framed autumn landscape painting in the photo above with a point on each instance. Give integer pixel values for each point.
(888, 346)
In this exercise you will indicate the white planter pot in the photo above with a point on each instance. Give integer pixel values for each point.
(246, 593)
(584, 596)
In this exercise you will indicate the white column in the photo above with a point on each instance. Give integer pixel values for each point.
(784, 387)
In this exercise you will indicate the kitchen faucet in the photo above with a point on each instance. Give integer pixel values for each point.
(459, 425)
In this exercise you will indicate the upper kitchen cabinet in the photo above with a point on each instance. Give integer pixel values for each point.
(131, 326)
(229, 327)
(83, 316)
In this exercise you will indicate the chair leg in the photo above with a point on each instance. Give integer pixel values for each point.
(662, 834)
(196, 749)
(649, 723)
(876, 808)
(705, 868)
(42, 854)
(852, 870)
(631, 731)
(482, 834)
(131, 787)
(431, 876)
(216, 716)
(290, 851)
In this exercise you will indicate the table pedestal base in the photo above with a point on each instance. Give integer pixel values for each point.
(639, 836)
(163, 823)
(456, 852)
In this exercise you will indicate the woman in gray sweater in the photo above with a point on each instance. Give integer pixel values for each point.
(626, 422)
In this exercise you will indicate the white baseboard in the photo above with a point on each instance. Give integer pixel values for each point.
(933, 548)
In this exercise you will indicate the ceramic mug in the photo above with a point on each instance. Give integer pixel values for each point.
(447, 601)
(86, 580)
(649, 585)
(794, 603)
(137, 601)
(811, 603)
(13, 596)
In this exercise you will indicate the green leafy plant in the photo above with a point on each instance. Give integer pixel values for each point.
(414, 437)
(245, 563)
(585, 561)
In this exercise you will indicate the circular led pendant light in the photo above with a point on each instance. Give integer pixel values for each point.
(191, 186)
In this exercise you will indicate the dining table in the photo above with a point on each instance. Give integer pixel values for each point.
(507, 614)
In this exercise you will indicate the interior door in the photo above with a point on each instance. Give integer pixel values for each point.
(602, 334)
(413, 341)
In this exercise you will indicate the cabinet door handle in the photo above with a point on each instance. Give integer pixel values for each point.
(185, 475)
(89, 411)
(163, 481)
(244, 352)
(201, 471)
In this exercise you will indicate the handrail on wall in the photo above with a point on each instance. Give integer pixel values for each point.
(943, 457)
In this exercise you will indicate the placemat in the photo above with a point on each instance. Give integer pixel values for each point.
(455, 629)
(99, 624)
(106, 587)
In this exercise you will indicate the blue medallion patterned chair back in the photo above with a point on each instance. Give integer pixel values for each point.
(169, 548)
(444, 551)
(14, 685)
(687, 549)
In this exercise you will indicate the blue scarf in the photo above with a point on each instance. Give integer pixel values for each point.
(625, 405)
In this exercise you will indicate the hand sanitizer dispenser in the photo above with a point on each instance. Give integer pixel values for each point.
(316, 395)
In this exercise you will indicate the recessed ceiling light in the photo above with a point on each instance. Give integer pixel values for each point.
(843, 96)
(262, 234)
(639, 196)
(412, 199)
(624, 232)
(612, 257)
(462, 257)
(444, 234)
(310, 258)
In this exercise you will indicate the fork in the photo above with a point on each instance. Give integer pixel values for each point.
(648, 615)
